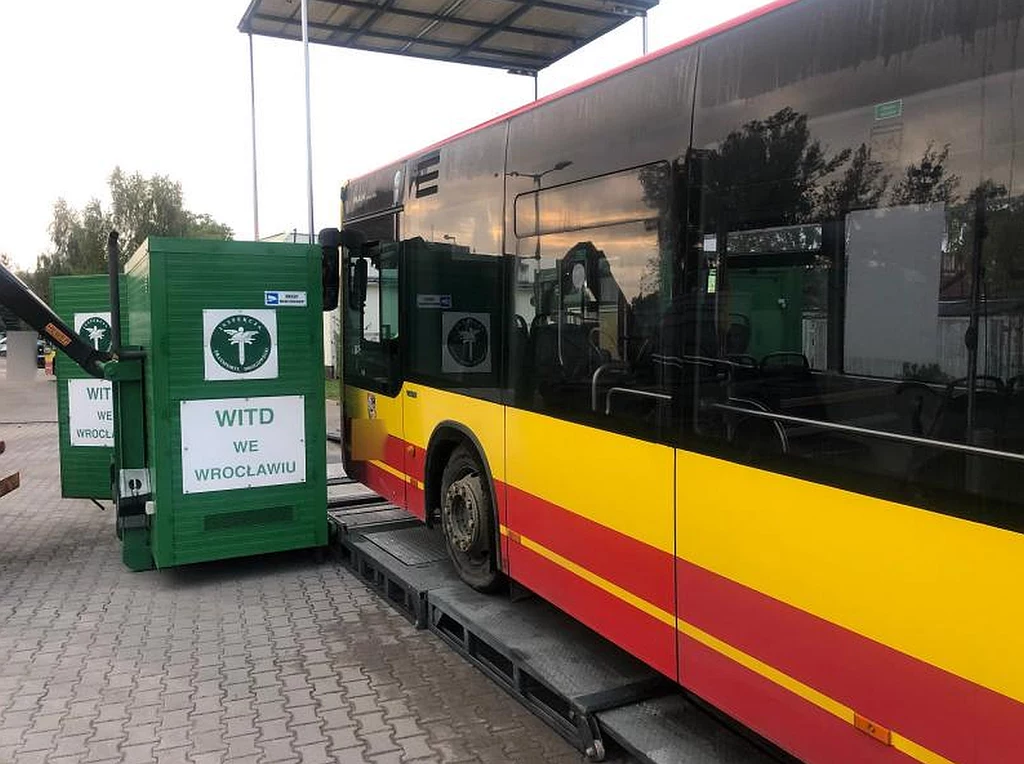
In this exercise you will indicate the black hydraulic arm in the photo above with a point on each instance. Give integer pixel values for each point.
(19, 298)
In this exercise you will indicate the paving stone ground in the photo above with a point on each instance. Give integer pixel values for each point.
(272, 659)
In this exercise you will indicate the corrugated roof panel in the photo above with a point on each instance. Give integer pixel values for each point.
(512, 34)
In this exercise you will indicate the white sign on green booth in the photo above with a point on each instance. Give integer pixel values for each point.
(232, 443)
(91, 413)
(90, 401)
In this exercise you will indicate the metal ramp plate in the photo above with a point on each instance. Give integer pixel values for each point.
(364, 518)
(413, 547)
(337, 491)
(559, 668)
(675, 730)
(378, 558)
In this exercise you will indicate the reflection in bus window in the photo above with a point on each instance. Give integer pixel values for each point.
(869, 331)
(589, 303)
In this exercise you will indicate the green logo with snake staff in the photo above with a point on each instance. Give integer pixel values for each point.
(96, 332)
(240, 343)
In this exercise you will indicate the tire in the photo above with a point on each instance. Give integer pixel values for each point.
(467, 521)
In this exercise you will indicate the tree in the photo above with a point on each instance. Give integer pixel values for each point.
(862, 186)
(926, 181)
(769, 173)
(139, 207)
(143, 207)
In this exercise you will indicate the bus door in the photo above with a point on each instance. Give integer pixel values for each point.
(452, 300)
(374, 431)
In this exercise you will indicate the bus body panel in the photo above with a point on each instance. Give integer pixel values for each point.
(812, 191)
(376, 433)
(883, 617)
(595, 535)
(427, 409)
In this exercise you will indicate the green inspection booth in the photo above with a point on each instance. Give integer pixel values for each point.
(85, 406)
(219, 401)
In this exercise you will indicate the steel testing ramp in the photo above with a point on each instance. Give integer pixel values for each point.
(584, 687)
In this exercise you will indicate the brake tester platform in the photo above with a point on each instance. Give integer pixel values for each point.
(584, 687)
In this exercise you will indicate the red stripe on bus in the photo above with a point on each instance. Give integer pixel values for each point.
(636, 632)
(416, 502)
(800, 727)
(415, 461)
(933, 707)
(637, 567)
(383, 483)
(394, 453)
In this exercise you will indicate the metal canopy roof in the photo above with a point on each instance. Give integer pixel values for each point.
(523, 36)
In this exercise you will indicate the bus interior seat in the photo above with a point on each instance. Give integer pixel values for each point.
(564, 378)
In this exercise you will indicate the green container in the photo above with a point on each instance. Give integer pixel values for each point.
(84, 406)
(233, 396)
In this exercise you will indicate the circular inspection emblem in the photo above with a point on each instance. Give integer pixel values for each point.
(467, 342)
(96, 331)
(240, 343)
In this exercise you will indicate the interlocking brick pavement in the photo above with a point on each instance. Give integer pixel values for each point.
(272, 659)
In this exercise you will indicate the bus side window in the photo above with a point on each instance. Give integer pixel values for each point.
(858, 276)
(591, 289)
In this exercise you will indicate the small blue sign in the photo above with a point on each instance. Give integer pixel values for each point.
(281, 298)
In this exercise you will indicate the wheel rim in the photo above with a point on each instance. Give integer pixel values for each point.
(460, 515)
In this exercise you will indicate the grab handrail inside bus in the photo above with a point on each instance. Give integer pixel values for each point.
(631, 391)
(962, 447)
(610, 366)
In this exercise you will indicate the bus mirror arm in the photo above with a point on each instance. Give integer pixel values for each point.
(358, 286)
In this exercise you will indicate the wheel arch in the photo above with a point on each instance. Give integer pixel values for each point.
(446, 437)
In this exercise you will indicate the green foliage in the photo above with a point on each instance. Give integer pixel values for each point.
(139, 207)
(927, 181)
(332, 388)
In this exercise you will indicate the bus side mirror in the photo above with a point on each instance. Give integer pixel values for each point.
(330, 269)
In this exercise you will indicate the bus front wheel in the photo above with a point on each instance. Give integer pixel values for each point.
(467, 521)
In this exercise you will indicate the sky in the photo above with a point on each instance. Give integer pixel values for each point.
(162, 86)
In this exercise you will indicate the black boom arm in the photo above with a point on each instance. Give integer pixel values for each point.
(19, 298)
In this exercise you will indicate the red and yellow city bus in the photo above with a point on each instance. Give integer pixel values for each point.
(723, 354)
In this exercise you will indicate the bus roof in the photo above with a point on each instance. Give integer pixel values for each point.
(768, 7)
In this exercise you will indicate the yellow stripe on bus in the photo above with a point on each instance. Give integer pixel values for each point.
(616, 481)
(397, 473)
(427, 408)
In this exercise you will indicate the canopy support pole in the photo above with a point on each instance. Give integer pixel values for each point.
(309, 128)
(255, 186)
